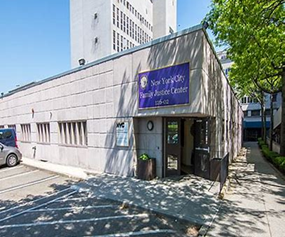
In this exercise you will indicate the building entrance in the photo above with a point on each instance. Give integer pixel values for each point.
(186, 146)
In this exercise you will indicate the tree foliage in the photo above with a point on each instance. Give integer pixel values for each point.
(254, 32)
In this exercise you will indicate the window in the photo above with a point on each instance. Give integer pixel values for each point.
(73, 133)
(267, 112)
(114, 40)
(121, 20)
(124, 22)
(114, 14)
(172, 133)
(136, 32)
(26, 132)
(127, 25)
(243, 100)
(122, 42)
(118, 43)
(13, 126)
(1, 126)
(227, 71)
(245, 113)
(255, 113)
(250, 100)
(43, 132)
(7, 134)
(118, 18)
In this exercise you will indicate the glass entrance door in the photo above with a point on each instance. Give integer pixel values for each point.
(202, 148)
(172, 146)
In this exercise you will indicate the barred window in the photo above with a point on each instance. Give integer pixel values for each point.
(13, 126)
(73, 133)
(43, 132)
(26, 132)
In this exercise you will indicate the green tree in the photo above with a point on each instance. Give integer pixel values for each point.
(254, 32)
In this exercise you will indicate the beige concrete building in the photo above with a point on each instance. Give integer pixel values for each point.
(168, 98)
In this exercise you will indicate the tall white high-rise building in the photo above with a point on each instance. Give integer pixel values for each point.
(99, 28)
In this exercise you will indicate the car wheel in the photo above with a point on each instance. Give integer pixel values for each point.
(12, 160)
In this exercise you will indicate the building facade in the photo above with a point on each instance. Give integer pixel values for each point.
(168, 98)
(252, 125)
(103, 27)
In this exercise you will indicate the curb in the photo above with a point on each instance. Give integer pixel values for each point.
(71, 172)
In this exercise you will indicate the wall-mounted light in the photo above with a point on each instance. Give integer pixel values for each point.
(95, 16)
(81, 61)
(96, 40)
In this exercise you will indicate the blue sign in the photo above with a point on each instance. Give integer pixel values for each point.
(164, 87)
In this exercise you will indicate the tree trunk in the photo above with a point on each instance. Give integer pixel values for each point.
(271, 122)
(263, 118)
(282, 132)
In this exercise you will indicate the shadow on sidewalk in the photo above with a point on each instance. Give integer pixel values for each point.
(254, 205)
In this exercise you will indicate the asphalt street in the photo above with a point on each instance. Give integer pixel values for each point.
(39, 203)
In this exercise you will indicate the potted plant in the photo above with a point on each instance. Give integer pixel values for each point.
(146, 167)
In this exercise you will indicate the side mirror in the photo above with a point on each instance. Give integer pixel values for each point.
(1, 147)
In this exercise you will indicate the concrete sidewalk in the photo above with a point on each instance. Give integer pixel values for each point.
(255, 203)
(190, 198)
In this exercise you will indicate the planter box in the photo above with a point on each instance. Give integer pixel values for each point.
(146, 169)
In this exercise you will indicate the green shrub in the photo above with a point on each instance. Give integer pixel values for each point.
(275, 158)
(270, 155)
(261, 142)
(280, 162)
(144, 157)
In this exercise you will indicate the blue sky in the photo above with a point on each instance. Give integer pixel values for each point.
(34, 37)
